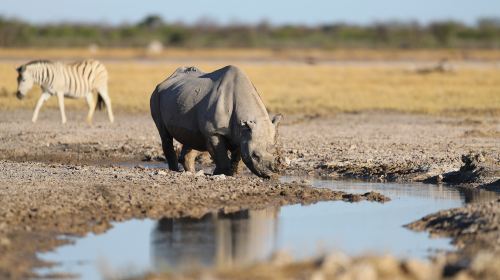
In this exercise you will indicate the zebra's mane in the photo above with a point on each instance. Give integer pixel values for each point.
(22, 68)
(38, 61)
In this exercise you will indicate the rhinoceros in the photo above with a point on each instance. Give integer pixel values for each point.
(220, 112)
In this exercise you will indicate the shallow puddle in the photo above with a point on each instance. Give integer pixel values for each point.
(245, 237)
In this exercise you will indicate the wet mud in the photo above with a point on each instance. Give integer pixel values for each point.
(63, 179)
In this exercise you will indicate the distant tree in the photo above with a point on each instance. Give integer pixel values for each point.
(489, 23)
(152, 22)
(207, 32)
(444, 31)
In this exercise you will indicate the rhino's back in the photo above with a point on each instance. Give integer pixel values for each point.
(179, 97)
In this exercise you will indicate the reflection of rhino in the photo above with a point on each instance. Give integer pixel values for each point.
(214, 240)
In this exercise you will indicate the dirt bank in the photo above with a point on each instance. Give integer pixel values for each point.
(59, 179)
(391, 146)
(475, 229)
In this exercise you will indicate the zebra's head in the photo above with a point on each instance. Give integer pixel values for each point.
(24, 81)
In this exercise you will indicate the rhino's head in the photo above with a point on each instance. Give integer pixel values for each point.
(258, 145)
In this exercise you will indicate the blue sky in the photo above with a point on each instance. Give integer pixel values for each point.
(226, 11)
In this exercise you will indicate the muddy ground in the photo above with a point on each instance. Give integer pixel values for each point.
(376, 146)
(64, 179)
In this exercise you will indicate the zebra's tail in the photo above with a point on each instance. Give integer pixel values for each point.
(100, 102)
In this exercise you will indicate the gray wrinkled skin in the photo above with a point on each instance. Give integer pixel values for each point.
(219, 112)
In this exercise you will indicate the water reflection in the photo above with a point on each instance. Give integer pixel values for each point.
(222, 240)
(429, 191)
(476, 196)
(215, 240)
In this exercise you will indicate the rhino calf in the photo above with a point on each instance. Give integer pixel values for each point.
(219, 112)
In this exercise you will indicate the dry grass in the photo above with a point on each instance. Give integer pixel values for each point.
(259, 54)
(300, 88)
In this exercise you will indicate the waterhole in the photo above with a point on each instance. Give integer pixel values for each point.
(245, 237)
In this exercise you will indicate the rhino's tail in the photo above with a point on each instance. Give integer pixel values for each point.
(154, 106)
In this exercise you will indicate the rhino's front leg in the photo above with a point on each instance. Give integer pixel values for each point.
(218, 150)
(235, 161)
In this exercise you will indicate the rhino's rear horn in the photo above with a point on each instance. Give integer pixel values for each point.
(277, 119)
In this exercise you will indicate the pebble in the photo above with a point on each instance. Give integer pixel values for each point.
(219, 177)
(4, 241)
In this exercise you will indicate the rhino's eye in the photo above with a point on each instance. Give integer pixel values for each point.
(256, 156)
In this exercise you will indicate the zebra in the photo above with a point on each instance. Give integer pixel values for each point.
(73, 80)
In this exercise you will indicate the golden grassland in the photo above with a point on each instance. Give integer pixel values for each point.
(261, 54)
(302, 88)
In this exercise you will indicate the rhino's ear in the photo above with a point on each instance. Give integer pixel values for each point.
(277, 119)
(248, 125)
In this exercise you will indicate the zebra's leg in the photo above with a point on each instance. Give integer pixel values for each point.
(187, 158)
(41, 100)
(90, 102)
(60, 99)
(104, 94)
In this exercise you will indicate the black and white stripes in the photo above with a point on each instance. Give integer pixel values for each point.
(75, 80)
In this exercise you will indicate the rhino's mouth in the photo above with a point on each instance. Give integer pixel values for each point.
(260, 171)
(265, 175)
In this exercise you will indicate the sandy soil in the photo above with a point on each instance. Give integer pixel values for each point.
(59, 179)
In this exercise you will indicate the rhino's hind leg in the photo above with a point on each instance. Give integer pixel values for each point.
(218, 150)
(167, 143)
(187, 158)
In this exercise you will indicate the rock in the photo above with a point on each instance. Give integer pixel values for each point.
(332, 263)
(305, 182)
(476, 169)
(387, 265)
(439, 178)
(418, 269)
(147, 157)
(161, 172)
(317, 275)
(486, 263)
(361, 271)
(200, 173)
(219, 177)
(281, 258)
(154, 47)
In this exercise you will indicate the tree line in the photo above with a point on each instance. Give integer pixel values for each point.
(206, 34)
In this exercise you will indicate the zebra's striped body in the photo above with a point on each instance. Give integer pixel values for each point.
(75, 80)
